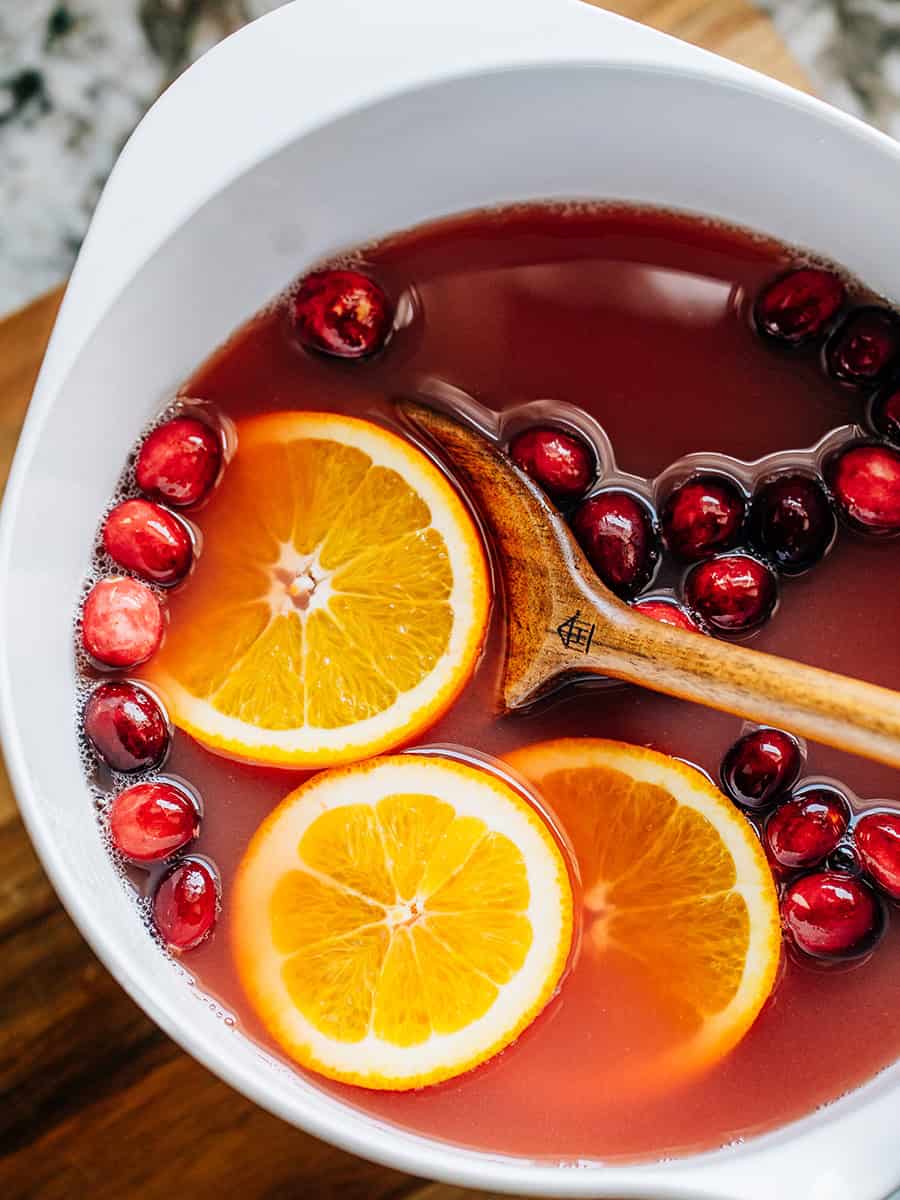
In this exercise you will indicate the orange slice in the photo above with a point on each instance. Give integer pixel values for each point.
(675, 880)
(397, 922)
(339, 602)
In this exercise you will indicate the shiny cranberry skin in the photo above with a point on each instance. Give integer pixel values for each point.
(121, 622)
(341, 313)
(797, 308)
(831, 914)
(791, 522)
(877, 841)
(179, 462)
(761, 766)
(733, 593)
(886, 413)
(186, 904)
(143, 537)
(702, 516)
(126, 726)
(863, 348)
(668, 613)
(558, 462)
(865, 480)
(616, 532)
(150, 821)
(807, 828)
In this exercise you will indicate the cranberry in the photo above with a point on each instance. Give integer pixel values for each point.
(732, 593)
(669, 613)
(761, 766)
(341, 313)
(877, 839)
(179, 462)
(886, 413)
(844, 858)
(147, 539)
(703, 515)
(616, 532)
(865, 480)
(806, 829)
(150, 821)
(830, 914)
(559, 462)
(126, 726)
(797, 308)
(863, 348)
(186, 904)
(792, 522)
(121, 623)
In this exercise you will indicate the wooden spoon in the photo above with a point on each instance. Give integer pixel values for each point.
(562, 622)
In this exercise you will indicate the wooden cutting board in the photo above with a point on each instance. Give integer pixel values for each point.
(97, 1101)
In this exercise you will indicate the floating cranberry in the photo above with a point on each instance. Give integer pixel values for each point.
(761, 766)
(616, 532)
(877, 840)
(121, 623)
(559, 462)
(844, 858)
(341, 313)
(667, 612)
(831, 914)
(150, 821)
(792, 522)
(186, 904)
(702, 516)
(863, 348)
(797, 308)
(126, 726)
(806, 829)
(143, 537)
(865, 480)
(179, 462)
(733, 593)
(886, 413)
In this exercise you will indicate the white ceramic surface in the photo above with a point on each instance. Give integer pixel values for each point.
(318, 127)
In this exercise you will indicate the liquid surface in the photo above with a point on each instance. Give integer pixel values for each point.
(640, 320)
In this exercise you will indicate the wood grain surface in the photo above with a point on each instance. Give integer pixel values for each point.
(97, 1101)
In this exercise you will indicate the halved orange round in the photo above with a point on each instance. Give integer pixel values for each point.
(398, 922)
(676, 887)
(339, 602)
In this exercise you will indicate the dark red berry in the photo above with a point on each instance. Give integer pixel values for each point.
(669, 613)
(616, 532)
(559, 462)
(877, 840)
(865, 480)
(761, 766)
(186, 904)
(844, 858)
(863, 348)
(806, 829)
(150, 821)
(831, 914)
(121, 623)
(342, 313)
(143, 537)
(732, 593)
(179, 462)
(886, 413)
(126, 726)
(798, 307)
(702, 516)
(791, 521)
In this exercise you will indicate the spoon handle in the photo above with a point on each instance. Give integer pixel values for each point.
(849, 714)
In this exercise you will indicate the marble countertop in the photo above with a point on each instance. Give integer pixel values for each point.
(76, 76)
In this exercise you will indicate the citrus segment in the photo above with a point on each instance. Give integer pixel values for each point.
(673, 878)
(339, 602)
(397, 922)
